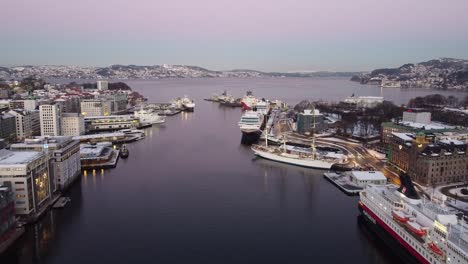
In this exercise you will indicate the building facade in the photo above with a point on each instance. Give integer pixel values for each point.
(27, 174)
(64, 158)
(72, 124)
(417, 117)
(25, 126)
(26, 104)
(50, 120)
(7, 213)
(110, 123)
(439, 164)
(7, 126)
(305, 121)
(96, 107)
(102, 85)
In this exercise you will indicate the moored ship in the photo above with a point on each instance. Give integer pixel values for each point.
(188, 104)
(430, 231)
(248, 101)
(148, 117)
(251, 123)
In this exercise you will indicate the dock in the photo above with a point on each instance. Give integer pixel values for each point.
(340, 181)
(61, 202)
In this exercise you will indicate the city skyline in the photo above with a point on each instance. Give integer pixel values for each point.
(221, 35)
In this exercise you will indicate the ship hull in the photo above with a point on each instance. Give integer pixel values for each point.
(245, 106)
(373, 218)
(313, 164)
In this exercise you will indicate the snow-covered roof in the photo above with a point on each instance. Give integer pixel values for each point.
(403, 136)
(8, 157)
(368, 175)
(452, 141)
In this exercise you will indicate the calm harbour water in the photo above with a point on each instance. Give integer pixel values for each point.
(191, 193)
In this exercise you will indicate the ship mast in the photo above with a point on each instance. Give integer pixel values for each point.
(313, 135)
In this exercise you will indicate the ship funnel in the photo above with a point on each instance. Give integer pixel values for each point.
(407, 187)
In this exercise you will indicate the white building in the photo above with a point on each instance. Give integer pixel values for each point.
(64, 158)
(27, 173)
(50, 119)
(363, 178)
(421, 117)
(72, 124)
(25, 126)
(364, 101)
(95, 107)
(27, 104)
(102, 85)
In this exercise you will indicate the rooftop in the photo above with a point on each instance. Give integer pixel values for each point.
(368, 175)
(8, 157)
(403, 136)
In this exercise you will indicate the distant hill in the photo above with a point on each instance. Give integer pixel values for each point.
(444, 73)
(123, 72)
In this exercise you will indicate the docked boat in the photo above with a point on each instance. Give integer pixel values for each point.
(188, 104)
(139, 134)
(124, 153)
(251, 122)
(432, 232)
(148, 117)
(248, 101)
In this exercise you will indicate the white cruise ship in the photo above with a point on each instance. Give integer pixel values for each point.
(148, 117)
(430, 231)
(251, 122)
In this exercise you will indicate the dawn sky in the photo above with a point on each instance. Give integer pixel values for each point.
(269, 35)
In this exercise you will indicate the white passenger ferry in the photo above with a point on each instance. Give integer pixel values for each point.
(430, 231)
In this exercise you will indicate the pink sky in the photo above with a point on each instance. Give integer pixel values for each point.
(293, 21)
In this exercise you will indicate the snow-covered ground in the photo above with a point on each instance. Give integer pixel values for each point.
(377, 155)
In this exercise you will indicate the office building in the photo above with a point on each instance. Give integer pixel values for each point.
(64, 158)
(72, 124)
(7, 126)
(95, 107)
(24, 123)
(27, 174)
(50, 119)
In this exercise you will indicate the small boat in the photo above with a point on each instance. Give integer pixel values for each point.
(124, 152)
(434, 248)
(415, 228)
(399, 216)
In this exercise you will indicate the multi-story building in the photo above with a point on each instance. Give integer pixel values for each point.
(119, 102)
(7, 213)
(64, 158)
(399, 150)
(96, 107)
(417, 117)
(27, 104)
(102, 85)
(437, 164)
(109, 123)
(36, 122)
(7, 126)
(72, 124)
(50, 118)
(24, 123)
(27, 174)
(305, 121)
